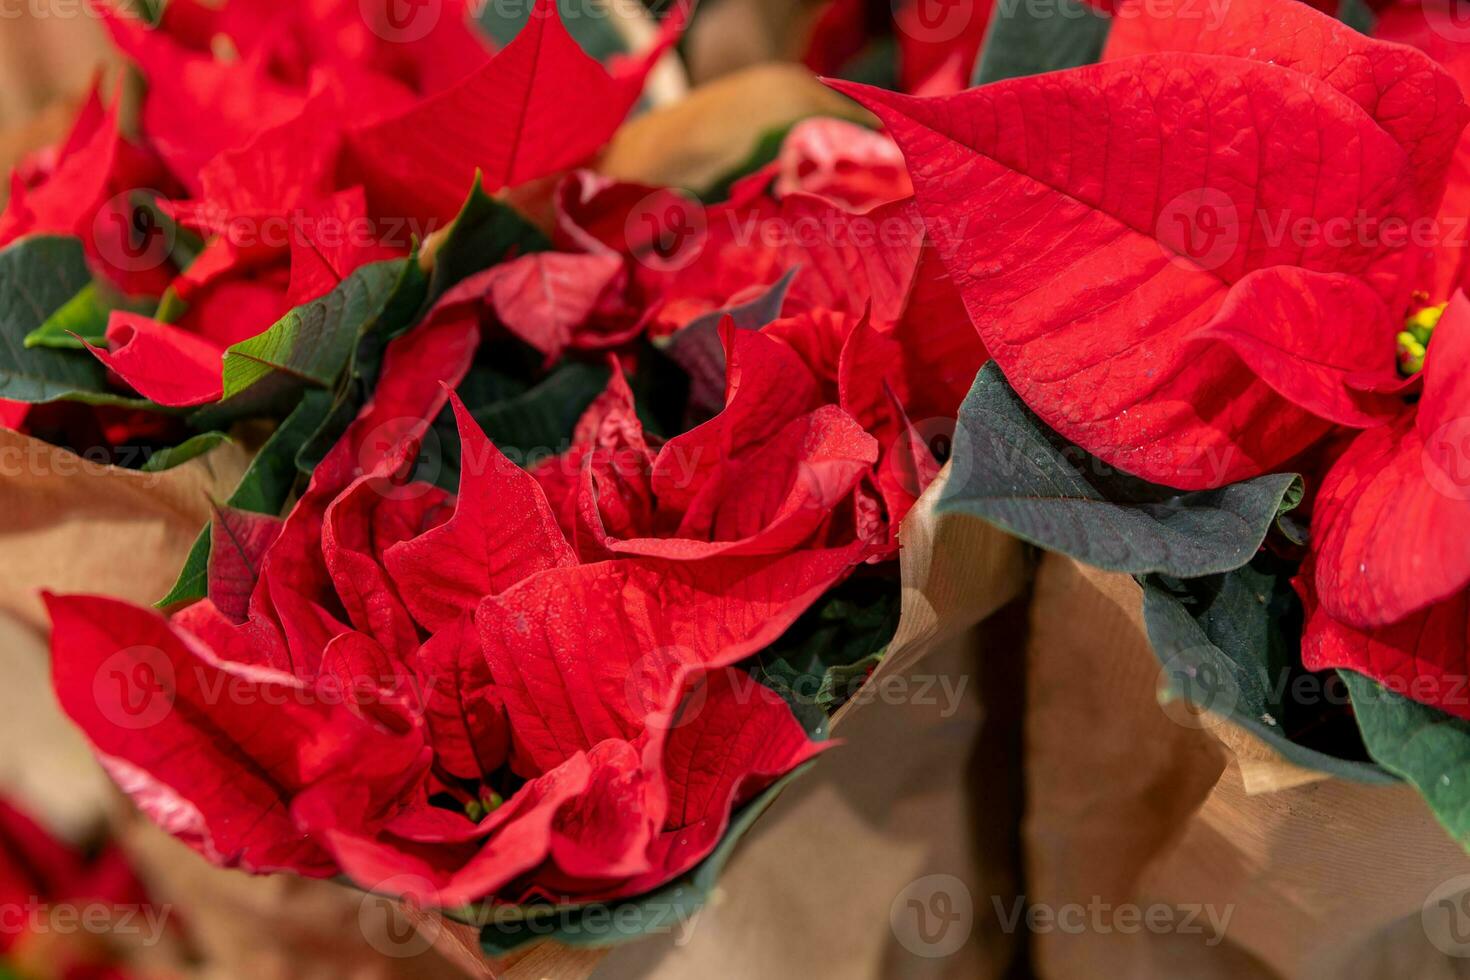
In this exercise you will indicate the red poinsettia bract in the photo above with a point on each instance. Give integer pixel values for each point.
(1166, 263)
(524, 690)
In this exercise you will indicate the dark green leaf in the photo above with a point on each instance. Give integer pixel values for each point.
(586, 20)
(1014, 472)
(1230, 644)
(167, 459)
(877, 64)
(1427, 747)
(765, 152)
(399, 313)
(823, 659)
(263, 489)
(1028, 37)
(698, 350)
(528, 427)
(487, 231)
(273, 396)
(543, 418)
(314, 341)
(1357, 15)
(39, 276)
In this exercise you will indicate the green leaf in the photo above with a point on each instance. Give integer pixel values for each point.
(1011, 470)
(38, 277)
(543, 418)
(1029, 37)
(195, 446)
(586, 20)
(1427, 747)
(528, 427)
(1357, 15)
(668, 909)
(766, 151)
(264, 489)
(698, 350)
(399, 313)
(487, 231)
(1230, 644)
(313, 342)
(85, 315)
(821, 661)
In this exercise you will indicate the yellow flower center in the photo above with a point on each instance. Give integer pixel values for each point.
(1413, 340)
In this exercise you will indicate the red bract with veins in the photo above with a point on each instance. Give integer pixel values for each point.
(1152, 268)
(1385, 588)
(526, 690)
(1385, 585)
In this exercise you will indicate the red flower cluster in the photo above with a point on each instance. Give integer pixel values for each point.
(529, 690)
(1194, 260)
(300, 142)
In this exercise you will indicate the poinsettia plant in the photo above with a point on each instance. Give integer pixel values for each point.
(221, 243)
(581, 517)
(1220, 273)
